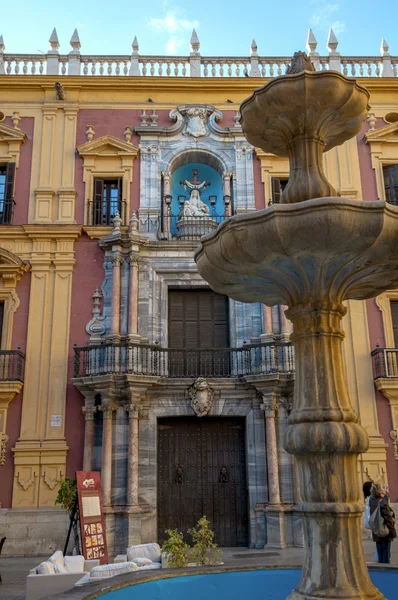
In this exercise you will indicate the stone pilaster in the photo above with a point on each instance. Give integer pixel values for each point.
(132, 465)
(116, 261)
(67, 192)
(107, 408)
(45, 190)
(269, 407)
(267, 333)
(133, 298)
(89, 411)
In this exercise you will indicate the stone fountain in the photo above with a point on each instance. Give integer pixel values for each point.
(312, 252)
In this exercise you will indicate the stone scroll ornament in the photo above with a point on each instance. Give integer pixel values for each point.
(201, 396)
(312, 252)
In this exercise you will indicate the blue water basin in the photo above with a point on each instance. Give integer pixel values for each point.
(265, 584)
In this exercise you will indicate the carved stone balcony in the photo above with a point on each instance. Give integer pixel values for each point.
(154, 361)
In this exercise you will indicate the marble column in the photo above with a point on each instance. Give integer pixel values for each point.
(116, 261)
(133, 296)
(107, 409)
(285, 324)
(88, 456)
(269, 408)
(166, 205)
(226, 180)
(267, 322)
(132, 465)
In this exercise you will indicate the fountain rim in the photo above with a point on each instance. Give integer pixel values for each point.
(306, 206)
(296, 76)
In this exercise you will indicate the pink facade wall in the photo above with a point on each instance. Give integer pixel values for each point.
(23, 173)
(87, 275)
(375, 321)
(19, 336)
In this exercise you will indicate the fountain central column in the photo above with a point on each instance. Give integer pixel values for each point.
(326, 439)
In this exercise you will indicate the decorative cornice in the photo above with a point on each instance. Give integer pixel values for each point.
(382, 134)
(10, 134)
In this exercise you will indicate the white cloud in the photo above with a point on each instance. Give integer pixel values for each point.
(323, 15)
(175, 26)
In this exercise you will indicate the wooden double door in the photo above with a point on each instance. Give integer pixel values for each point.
(202, 471)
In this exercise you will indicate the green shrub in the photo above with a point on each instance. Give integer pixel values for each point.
(203, 551)
(67, 493)
(176, 549)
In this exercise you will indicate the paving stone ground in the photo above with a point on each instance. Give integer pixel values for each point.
(14, 570)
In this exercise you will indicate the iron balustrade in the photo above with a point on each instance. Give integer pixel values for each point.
(11, 365)
(155, 361)
(103, 213)
(385, 362)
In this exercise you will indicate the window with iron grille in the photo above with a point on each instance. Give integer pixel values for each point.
(277, 185)
(391, 184)
(7, 175)
(107, 201)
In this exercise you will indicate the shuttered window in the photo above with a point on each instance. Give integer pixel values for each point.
(391, 184)
(198, 319)
(107, 201)
(7, 178)
(198, 326)
(394, 316)
(1, 319)
(277, 185)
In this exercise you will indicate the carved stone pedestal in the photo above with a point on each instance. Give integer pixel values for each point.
(193, 228)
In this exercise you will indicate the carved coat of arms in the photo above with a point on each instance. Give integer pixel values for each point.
(201, 396)
(196, 125)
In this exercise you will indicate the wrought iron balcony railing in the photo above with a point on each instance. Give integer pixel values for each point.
(152, 360)
(11, 365)
(385, 362)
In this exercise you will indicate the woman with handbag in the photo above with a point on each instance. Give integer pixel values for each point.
(382, 522)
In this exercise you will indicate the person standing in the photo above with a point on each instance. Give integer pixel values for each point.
(383, 544)
(367, 487)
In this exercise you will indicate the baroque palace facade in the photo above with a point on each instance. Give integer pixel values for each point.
(115, 355)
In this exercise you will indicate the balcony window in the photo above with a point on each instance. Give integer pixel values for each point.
(107, 201)
(7, 174)
(390, 175)
(277, 186)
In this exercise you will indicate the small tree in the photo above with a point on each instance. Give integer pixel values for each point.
(67, 494)
(203, 551)
(67, 497)
(176, 549)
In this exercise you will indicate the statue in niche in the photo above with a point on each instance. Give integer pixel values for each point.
(196, 122)
(194, 207)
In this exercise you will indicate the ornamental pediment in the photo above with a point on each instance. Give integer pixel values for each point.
(10, 134)
(383, 135)
(107, 146)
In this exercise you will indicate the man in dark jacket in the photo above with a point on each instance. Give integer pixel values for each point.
(383, 544)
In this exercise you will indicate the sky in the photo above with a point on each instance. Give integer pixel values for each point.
(224, 27)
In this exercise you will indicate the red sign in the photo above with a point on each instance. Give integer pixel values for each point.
(91, 511)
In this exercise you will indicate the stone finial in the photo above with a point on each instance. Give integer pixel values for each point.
(134, 223)
(332, 42)
(237, 119)
(117, 221)
(311, 42)
(135, 46)
(128, 134)
(300, 62)
(154, 118)
(90, 132)
(2, 46)
(253, 48)
(144, 118)
(372, 121)
(15, 119)
(75, 42)
(384, 48)
(96, 303)
(195, 44)
(53, 41)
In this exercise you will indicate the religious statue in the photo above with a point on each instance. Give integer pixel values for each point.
(194, 206)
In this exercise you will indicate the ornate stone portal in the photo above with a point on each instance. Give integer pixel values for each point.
(311, 255)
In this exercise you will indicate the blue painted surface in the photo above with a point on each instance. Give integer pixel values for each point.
(205, 173)
(264, 584)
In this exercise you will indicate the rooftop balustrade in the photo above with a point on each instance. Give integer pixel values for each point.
(191, 65)
(155, 361)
